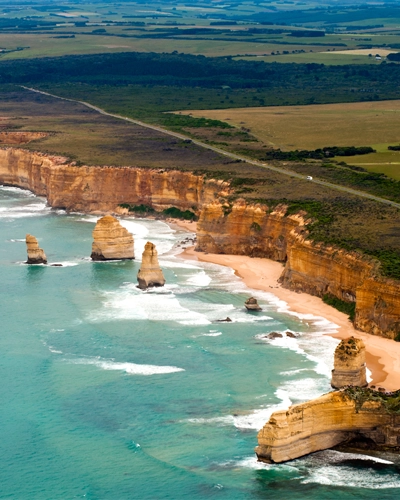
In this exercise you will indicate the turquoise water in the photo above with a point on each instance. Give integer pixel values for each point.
(109, 392)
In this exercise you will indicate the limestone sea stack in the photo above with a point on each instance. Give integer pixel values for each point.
(150, 273)
(111, 241)
(35, 254)
(251, 304)
(349, 364)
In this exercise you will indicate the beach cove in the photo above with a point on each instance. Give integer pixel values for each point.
(383, 355)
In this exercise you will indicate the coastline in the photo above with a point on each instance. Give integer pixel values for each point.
(382, 355)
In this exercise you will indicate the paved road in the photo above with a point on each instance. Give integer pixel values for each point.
(234, 156)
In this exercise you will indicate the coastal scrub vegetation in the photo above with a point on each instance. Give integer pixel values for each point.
(348, 308)
(389, 402)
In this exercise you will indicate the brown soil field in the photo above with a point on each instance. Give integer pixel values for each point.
(314, 126)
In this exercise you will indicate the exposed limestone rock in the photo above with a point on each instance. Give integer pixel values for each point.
(111, 240)
(251, 304)
(21, 137)
(378, 307)
(150, 273)
(243, 229)
(35, 254)
(332, 419)
(103, 189)
(349, 364)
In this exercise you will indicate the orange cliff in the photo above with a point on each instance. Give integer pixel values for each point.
(316, 269)
(103, 189)
(241, 228)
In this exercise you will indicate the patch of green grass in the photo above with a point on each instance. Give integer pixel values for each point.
(139, 209)
(176, 213)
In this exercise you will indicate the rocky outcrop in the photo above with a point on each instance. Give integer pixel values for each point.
(111, 241)
(361, 415)
(35, 254)
(150, 273)
(103, 189)
(251, 304)
(349, 364)
(21, 137)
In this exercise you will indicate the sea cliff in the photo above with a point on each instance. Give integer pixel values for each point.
(103, 189)
(231, 228)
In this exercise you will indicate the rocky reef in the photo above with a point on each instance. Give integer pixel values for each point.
(349, 364)
(359, 417)
(150, 273)
(111, 241)
(35, 254)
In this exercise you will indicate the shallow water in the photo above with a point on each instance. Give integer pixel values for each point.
(109, 392)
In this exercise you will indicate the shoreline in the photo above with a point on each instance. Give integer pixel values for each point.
(382, 355)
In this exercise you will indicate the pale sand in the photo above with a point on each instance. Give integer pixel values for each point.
(383, 355)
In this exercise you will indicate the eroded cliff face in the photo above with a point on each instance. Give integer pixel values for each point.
(245, 230)
(378, 307)
(103, 189)
(323, 423)
(319, 269)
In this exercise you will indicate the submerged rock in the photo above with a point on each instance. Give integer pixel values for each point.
(226, 320)
(291, 335)
(35, 254)
(111, 241)
(150, 273)
(251, 304)
(274, 335)
(349, 364)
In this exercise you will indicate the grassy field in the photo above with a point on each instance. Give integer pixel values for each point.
(375, 124)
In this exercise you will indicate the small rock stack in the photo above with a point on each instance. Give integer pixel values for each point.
(150, 273)
(35, 254)
(111, 241)
(251, 304)
(349, 364)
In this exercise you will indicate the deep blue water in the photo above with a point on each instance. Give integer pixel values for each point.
(109, 392)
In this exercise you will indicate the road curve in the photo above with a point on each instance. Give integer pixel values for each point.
(234, 156)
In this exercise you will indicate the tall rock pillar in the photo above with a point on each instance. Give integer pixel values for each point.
(349, 364)
(35, 254)
(150, 273)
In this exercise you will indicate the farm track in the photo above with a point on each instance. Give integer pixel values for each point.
(234, 156)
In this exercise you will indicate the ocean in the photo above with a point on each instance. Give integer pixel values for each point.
(111, 392)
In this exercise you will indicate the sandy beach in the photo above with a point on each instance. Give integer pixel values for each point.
(382, 355)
